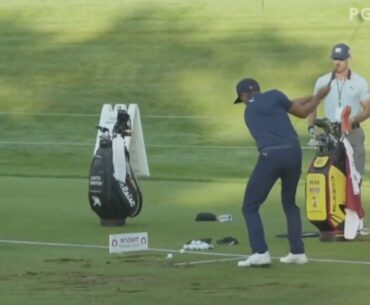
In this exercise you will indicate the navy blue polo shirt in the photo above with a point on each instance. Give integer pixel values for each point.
(266, 116)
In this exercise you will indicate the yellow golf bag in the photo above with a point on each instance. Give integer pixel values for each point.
(326, 185)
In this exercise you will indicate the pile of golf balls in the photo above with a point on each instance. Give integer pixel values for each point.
(197, 245)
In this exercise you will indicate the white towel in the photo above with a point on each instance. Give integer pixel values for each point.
(354, 174)
(119, 159)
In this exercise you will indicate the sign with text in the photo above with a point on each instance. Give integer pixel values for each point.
(119, 243)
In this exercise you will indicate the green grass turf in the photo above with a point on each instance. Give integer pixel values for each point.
(173, 58)
(56, 210)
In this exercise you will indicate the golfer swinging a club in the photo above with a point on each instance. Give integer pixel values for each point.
(280, 157)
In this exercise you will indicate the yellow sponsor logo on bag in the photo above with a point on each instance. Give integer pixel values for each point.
(316, 197)
(337, 194)
(320, 162)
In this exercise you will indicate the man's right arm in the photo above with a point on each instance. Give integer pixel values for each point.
(312, 116)
(302, 107)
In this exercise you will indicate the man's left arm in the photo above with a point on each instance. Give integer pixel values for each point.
(365, 103)
(364, 114)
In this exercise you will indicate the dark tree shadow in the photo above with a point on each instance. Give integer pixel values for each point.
(154, 57)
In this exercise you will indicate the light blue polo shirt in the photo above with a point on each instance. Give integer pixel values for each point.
(350, 92)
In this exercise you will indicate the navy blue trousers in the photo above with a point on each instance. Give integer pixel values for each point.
(284, 164)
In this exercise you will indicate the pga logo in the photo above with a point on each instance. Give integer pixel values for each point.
(362, 14)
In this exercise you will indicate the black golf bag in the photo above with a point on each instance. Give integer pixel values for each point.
(326, 183)
(114, 192)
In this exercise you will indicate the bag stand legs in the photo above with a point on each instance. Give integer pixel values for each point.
(112, 222)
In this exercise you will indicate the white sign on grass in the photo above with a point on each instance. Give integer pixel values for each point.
(119, 243)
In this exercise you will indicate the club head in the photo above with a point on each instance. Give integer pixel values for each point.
(102, 129)
(324, 124)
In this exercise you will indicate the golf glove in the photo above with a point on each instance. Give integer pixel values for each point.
(312, 142)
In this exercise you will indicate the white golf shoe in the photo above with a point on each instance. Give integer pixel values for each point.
(291, 258)
(256, 259)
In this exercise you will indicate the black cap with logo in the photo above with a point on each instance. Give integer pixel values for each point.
(246, 85)
(341, 51)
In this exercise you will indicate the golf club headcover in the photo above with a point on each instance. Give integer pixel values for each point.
(228, 241)
(205, 216)
(325, 124)
(346, 125)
